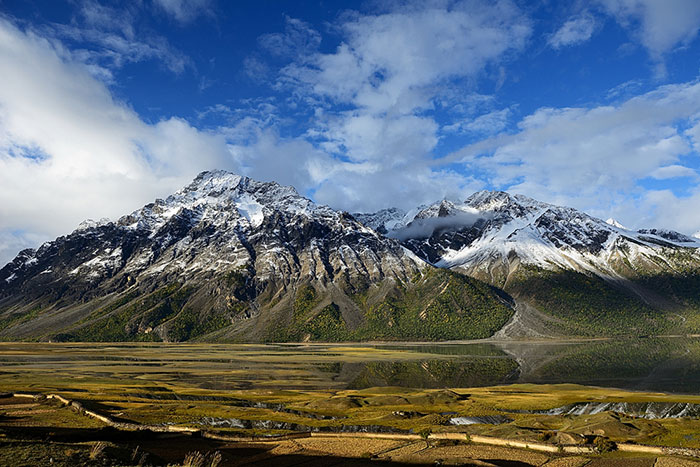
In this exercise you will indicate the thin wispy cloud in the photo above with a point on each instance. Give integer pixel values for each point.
(584, 156)
(574, 31)
(185, 11)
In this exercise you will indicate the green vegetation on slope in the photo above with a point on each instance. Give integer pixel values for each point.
(587, 304)
(128, 317)
(680, 284)
(15, 319)
(327, 325)
(304, 301)
(438, 305)
(190, 323)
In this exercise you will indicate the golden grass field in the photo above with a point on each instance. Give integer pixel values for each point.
(296, 388)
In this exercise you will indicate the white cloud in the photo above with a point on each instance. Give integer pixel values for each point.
(286, 161)
(69, 150)
(660, 25)
(387, 60)
(393, 141)
(673, 171)
(694, 133)
(368, 188)
(185, 11)
(486, 124)
(665, 209)
(591, 158)
(389, 71)
(574, 31)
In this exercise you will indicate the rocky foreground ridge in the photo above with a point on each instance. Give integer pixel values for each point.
(228, 258)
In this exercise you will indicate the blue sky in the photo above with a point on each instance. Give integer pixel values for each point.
(364, 105)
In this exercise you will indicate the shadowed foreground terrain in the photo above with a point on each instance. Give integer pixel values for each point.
(46, 431)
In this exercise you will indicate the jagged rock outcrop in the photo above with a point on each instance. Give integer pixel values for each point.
(226, 256)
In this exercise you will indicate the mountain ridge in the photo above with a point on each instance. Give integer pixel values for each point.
(513, 242)
(228, 258)
(233, 259)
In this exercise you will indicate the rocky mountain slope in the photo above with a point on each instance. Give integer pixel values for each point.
(229, 258)
(569, 272)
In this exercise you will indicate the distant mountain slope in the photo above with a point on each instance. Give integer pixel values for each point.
(229, 258)
(587, 276)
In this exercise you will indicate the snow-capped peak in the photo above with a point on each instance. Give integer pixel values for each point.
(383, 221)
(614, 223)
(221, 198)
(493, 226)
(91, 224)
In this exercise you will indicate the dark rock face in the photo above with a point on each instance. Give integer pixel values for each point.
(209, 237)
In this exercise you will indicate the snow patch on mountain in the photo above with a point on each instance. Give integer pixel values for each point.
(382, 221)
(614, 223)
(493, 226)
(250, 209)
(221, 222)
(91, 224)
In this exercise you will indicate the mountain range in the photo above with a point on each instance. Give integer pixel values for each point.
(231, 259)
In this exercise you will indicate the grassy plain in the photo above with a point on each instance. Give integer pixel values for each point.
(254, 390)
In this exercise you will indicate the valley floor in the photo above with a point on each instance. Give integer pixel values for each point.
(55, 431)
(132, 404)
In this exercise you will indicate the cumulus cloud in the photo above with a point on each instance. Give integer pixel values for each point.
(664, 208)
(387, 73)
(590, 157)
(574, 31)
(69, 150)
(386, 60)
(266, 156)
(391, 140)
(367, 185)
